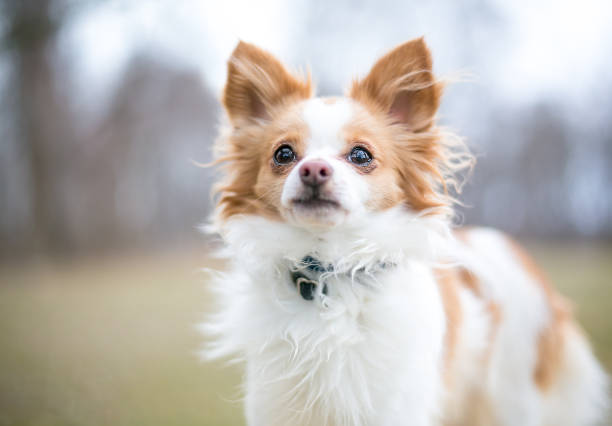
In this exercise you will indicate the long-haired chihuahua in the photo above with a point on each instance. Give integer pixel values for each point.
(350, 296)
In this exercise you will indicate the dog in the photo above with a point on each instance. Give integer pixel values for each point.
(350, 294)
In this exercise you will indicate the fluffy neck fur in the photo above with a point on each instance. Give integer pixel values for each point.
(299, 353)
(393, 235)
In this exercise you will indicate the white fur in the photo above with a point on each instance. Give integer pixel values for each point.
(371, 355)
(350, 358)
(326, 142)
(370, 351)
(506, 384)
(325, 121)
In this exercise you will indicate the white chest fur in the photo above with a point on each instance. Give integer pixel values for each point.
(364, 356)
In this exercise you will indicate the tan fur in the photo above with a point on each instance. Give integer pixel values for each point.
(470, 281)
(254, 184)
(414, 160)
(258, 97)
(256, 82)
(414, 163)
(402, 95)
(402, 84)
(448, 284)
(373, 132)
(551, 341)
(450, 281)
(495, 318)
(474, 405)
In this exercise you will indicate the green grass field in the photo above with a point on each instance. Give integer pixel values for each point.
(113, 341)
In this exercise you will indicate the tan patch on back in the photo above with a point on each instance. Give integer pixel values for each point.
(448, 284)
(495, 318)
(470, 281)
(551, 341)
(468, 278)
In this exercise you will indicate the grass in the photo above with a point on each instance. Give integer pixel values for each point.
(113, 342)
(109, 343)
(583, 273)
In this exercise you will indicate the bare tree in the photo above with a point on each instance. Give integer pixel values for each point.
(31, 28)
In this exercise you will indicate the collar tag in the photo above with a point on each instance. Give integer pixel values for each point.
(306, 286)
(306, 277)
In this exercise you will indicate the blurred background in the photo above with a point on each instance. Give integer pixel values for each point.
(105, 106)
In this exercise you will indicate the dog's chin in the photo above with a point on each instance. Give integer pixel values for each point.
(316, 212)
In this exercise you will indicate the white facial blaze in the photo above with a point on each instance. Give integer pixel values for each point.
(325, 122)
(326, 142)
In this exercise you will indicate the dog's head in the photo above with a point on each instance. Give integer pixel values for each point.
(319, 162)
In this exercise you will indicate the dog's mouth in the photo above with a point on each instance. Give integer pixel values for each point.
(318, 208)
(316, 203)
(315, 199)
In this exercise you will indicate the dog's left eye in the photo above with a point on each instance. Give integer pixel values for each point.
(360, 156)
(284, 155)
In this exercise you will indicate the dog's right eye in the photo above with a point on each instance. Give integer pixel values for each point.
(284, 155)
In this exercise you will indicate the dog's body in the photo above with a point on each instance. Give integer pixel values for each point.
(348, 295)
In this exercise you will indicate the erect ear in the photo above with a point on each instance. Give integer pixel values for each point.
(401, 83)
(256, 81)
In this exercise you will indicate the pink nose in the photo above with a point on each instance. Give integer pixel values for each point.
(315, 173)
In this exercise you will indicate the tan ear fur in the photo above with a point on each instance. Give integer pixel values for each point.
(402, 84)
(256, 82)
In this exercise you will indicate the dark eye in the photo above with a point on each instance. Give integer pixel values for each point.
(284, 155)
(360, 156)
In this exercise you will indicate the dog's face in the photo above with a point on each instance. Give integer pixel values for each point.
(319, 162)
(323, 161)
(329, 172)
